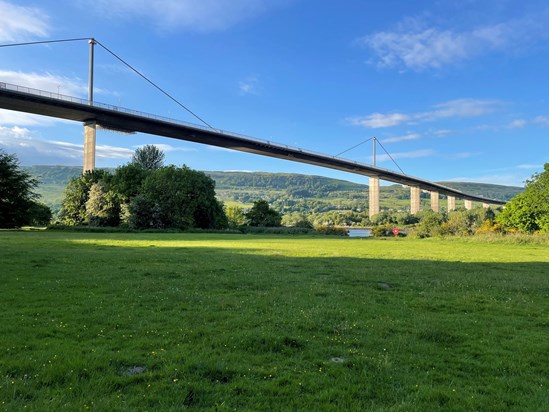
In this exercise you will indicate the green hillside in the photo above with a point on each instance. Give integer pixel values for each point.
(497, 192)
(287, 192)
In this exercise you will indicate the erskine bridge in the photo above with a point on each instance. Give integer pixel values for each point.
(93, 115)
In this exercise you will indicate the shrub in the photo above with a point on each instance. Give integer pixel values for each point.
(332, 230)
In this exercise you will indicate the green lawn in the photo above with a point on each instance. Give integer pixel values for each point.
(166, 322)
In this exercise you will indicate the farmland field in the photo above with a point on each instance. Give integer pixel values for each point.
(166, 322)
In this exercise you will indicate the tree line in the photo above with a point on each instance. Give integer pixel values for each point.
(146, 194)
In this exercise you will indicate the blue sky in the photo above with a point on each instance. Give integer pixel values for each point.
(454, 90)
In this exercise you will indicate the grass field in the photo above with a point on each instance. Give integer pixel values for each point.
(166, 322)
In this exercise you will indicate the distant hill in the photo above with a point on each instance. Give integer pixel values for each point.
(54, 175)
(497, 192)
(287, 192)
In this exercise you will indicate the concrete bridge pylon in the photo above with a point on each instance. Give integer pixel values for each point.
(435, 206)
(451, 203)
(415, 193)
(90, 130)
(373, 196)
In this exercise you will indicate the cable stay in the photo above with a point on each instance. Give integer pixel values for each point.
(351, 148)
(121, 60)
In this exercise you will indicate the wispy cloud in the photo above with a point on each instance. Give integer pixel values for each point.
(195, 15)
(530, 166)
(441, 132)
(416, 45)
(464, 155)
(542, 120)
(406, 155)
(19, 22)
(249, 86)
(12, 118)
(48, 82)
(517, 124)
(510, 179)
(379, 120)
(454, 108)
(168, 148)
(410, 136)
(27, 146)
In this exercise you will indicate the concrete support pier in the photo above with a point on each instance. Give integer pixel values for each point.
(468, 204)
(90, 130)
(451, 203)
(374, 196)
(435, 202)
(486, 205)
(414, 200)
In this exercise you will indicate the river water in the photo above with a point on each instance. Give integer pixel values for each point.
(359, 232)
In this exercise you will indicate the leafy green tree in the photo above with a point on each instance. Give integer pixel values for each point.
(40, 214)
(430, 224)
(127, 180)
(143, 213)
(17, 194)
(73, 208)
(235, 216)
(529, 211)
(102, 206)
(179, 198)
(149, 157)
(296, 219)
(261, 214)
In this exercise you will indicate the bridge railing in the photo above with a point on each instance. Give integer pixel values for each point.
(72, 99)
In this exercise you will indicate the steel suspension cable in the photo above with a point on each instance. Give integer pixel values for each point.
(391, 157)
(153, 84)
(43, 42)
(351, 148)
(121, 60)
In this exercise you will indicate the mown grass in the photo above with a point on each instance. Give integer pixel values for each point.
(111, 321)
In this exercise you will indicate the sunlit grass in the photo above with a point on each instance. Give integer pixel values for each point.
(249, 322)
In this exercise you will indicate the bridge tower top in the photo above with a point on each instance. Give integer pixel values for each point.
(92, 42)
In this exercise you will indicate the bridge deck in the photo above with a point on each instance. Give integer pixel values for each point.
(111, 117)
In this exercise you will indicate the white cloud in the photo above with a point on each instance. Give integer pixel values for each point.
(499, 179)
(410, 136)
(530, 166)
(18, 22)
(378, 120)
(454, 108)
(517, 124)
(465, 155)
(406, 155)
(442, 132)
(414, 45)
(459, 108)
(249, 86)
(24, 143)
(196, 15)
(167, 148)
(543, 120)
(47, 82)
(13, 118)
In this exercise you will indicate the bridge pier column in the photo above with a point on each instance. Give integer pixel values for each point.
(374, 196)
(468, 204)
(414, 200)
(451, 203)
(486, 205)
(434, 202)
(90, 131)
